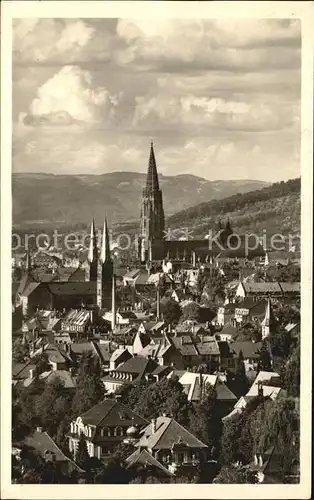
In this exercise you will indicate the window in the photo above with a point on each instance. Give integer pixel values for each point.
(119, 431)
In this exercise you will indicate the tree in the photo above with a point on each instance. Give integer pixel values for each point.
(241, 383)
(205, 422)
(89, 387)
(290, 373)
(82, 457)
(232, 474)
(191, 312)
(165, 396)
(19, 352)
(264, 362)
(171, 311)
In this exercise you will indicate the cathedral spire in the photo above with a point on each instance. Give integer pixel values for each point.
(152, 184)
(105, 249)
(92, 253)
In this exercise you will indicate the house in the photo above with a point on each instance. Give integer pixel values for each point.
(57, 357)
(227, 357)
(290, 289)
(258, 290)
(119, 356)
(65, 377)
(250, 351)
(42, 444)
(197, 349)
(228, 333)
(135, 277)
(263, 377)
(193, 382)
(105, 426)
(143, 459)
(172, 445)
(77, 320)
(163, 351)
(122, 318)
(249, 310)
(225, 314)
(132, 371)
(22, 371)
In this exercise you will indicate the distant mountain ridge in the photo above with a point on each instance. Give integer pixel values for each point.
(275, 208)
(68, 200)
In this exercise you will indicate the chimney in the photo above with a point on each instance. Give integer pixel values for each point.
(153, 425)
(193, 260)
(158, 303)
(39, 429)
(113, 303)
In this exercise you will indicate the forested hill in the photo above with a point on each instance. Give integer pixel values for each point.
(275, 208)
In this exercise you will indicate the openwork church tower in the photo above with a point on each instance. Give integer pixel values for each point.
(152, 214)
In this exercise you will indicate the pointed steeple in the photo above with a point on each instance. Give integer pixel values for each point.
(105, 249)
(28, 260)
(152, 184)
(93, 251)
(268, 320)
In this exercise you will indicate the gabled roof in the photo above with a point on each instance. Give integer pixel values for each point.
(64, 376)
(21, 370)
(132, 273)
(224, 393)
(109, 412)
(42, 442)
(249, 349)
(143, 457)
(168, 433)
(138, 365)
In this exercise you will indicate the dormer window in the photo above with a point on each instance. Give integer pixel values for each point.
(119, 431)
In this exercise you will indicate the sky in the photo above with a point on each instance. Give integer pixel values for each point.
(220, 98)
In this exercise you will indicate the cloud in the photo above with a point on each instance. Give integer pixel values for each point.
(59, 41)
(203, 112)
(225, 45)
(221, 98)
(69, 97)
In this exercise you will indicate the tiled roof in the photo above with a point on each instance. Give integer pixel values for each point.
(132, 273)
(77, 317)
(63, 375)
(248, 348)
(109, 412)
(263, 287)
(42, 442)
(143, 457)
(21, 370)
(223, 392)
(75, 288)
(290, 287)
(168, 433)
(208, 348)
(138, 365)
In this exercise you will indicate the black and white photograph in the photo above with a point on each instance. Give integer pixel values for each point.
(157, 280)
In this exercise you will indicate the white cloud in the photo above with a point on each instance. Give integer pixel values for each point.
(58, 41)
(70, 96)
(206, 112)
(209, 44)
